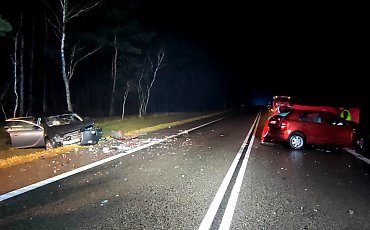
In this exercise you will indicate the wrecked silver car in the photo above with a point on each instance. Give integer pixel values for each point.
(52, 131)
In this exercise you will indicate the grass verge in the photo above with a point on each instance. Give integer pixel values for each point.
(131, 126)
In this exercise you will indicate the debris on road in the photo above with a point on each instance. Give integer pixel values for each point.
(119, 136)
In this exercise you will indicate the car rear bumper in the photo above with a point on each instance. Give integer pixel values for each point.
(275, 136)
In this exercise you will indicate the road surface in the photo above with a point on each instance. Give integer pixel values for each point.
(210, 174)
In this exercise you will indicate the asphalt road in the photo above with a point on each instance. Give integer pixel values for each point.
(195, 181)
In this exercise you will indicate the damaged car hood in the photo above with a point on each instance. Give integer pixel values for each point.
(73, 126)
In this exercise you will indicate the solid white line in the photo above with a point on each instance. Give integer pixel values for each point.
(97, 163)
(359, 156)
(70, 173)
(212, 210)
(231, 204)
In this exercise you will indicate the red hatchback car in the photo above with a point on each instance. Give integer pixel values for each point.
(309, 127)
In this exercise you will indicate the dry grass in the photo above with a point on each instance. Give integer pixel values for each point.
(138, 125)
(163, 126)
(22, 159)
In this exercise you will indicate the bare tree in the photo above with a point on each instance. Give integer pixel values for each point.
(1, 100)
(21, 68)
(146, 79)
(125, 95)
(75, 58)
(59, 20)
(14, 58)
(141, 92)
(5, 27)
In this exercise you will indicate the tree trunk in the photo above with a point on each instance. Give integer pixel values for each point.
(154, 69)
(64, 72)
(124, 99)
(15, 66)
(2, 106)
(140, 94)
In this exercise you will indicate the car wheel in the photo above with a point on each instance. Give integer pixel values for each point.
(49, 144)
(296, 141)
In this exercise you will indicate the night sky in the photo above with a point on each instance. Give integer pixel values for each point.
(312, 52)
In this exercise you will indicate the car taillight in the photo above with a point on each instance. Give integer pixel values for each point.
(284, 125)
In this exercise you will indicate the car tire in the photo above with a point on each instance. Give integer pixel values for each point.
(49, 144)
(296, 141)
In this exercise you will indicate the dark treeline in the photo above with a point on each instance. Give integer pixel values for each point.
(189, 79)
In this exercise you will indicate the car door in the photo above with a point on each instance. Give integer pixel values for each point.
(25, 134)
(313, 128)
(340, 131)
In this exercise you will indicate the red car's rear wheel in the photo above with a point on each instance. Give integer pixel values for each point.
(296, 141)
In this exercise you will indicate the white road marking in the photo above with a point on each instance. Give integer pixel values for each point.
(97, 163)
(231, 204)
(359, 156)
(212, 210)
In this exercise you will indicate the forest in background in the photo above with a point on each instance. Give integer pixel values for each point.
(120, 61)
